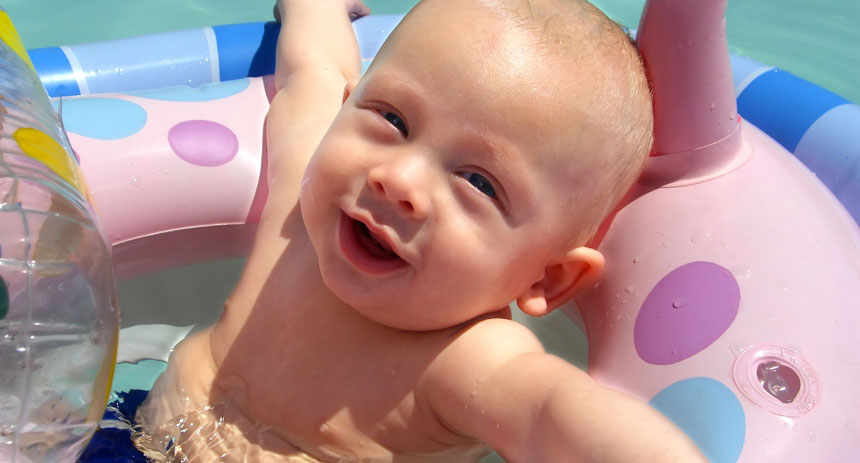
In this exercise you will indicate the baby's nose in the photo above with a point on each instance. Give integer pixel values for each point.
(403, 182)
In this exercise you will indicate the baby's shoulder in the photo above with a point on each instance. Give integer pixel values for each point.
(499, 336)
(479, 369)
(483, 346)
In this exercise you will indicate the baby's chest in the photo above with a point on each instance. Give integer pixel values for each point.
(359, 411)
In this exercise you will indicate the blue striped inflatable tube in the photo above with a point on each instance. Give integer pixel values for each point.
(820, 128)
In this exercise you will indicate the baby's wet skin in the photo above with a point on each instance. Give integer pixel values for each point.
(370, 321)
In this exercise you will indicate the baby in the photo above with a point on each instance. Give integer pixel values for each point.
(467, 169)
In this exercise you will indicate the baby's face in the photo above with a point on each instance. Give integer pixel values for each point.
(444, 186)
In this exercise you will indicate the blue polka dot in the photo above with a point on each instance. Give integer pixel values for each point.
(207, 92)
(709, 413)
(103, 118)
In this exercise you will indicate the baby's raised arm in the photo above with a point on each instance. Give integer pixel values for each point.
(317, 54)
(495, 383)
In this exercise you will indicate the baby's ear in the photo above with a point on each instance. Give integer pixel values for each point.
(562, 279)
(347, 89)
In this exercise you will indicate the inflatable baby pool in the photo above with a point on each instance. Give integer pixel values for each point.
(733, 265)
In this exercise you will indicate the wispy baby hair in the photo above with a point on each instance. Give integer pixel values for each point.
(597, 55)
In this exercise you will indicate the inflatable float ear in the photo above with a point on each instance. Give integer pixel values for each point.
(684, 48)
(707, 307)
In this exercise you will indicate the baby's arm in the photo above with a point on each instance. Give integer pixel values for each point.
(495, 383)
(317, 54)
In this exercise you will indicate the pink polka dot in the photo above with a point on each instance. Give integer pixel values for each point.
(686, 311)
(203, 143)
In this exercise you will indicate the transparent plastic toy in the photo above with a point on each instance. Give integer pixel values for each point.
(58, 315)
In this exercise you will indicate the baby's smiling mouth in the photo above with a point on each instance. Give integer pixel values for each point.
(372, 243)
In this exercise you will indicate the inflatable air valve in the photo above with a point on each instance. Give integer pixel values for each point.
(58, 316)
(728, 298)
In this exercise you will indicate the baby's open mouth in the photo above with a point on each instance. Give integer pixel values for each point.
(369, 252)
(371, 243)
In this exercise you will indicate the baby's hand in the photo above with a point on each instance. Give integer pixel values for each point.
(355, 8)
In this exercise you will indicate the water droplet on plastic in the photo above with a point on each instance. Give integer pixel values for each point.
(737, 349)
(629, 289)
(700, 235)
(135, 181)
(678, 303)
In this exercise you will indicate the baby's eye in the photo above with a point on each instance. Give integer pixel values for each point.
(396, 121)
(480, 182)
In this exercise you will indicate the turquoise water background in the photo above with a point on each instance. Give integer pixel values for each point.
(817, 40)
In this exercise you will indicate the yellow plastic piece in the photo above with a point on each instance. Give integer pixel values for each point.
(9, 35)
(45, 149)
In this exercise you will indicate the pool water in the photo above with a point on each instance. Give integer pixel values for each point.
(112, 444)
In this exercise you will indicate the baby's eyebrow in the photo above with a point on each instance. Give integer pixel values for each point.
(492, 149)
(506, 161)
(394, 84)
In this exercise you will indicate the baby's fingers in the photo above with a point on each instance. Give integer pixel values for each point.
(357, 9)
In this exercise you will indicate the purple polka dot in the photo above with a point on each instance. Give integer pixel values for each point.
(686, 311)
(203, 143)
